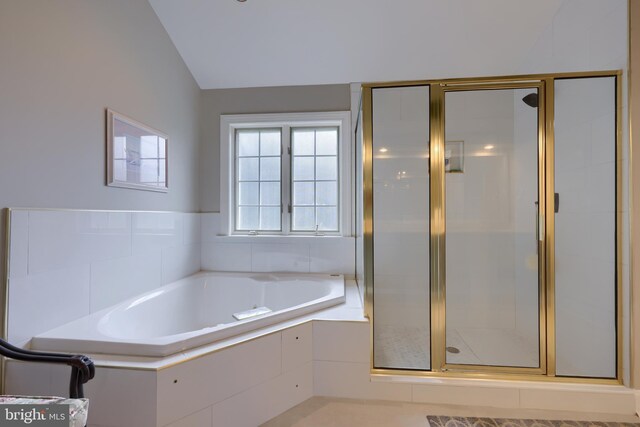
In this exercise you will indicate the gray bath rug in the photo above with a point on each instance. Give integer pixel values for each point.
(438, 421)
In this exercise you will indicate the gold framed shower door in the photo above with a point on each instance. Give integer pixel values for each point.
(544, 83)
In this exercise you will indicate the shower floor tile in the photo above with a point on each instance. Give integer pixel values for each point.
(500, 347)
(400, 346)
(466, 355)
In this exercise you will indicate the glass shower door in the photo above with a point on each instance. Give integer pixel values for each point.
(492, 285)
(585, 227)
(400, 152)
(492, 225)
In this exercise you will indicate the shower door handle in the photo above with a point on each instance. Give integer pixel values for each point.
(539, 232)
(536, 232)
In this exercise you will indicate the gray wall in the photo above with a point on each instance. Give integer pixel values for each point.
(62, 63)
(254, 100)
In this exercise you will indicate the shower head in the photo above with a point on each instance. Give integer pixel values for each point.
(531, 100)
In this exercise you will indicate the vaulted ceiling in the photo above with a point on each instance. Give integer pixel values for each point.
(226, 43)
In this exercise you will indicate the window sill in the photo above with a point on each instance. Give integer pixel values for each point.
(241, 238)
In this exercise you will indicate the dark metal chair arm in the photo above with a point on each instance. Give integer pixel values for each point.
(82, 368)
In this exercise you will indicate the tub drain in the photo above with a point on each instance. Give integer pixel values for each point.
(453, 350)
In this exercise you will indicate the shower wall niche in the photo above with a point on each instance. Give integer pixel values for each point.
(487, 226)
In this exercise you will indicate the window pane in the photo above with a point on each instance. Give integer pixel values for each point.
(270, 218)
(270, 169)
(248, 218)
(303, 141)
(270, 143)
(248, 193)
(149, 146)
(149, 171)
(302, 168)
(303, 219)
(120, 169)
(248, 143)
(270, 193)
(162, 145)
(132, 149)
(327, 142)
(303, 193)
(248, 169)
(327, 193)
(327, 219)
(259, 174)
(326, 168)
(119, 147)
(162, 179)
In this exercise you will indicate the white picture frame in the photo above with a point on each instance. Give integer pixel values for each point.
(137, 155)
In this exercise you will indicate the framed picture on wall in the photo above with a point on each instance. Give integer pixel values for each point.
(136, 154)
(454, 157)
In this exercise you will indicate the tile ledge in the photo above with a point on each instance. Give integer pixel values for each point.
(520, 384)
(275, 239)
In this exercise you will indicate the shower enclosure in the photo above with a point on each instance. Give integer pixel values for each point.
(488, 225)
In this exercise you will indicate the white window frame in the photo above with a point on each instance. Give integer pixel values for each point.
(228, 126)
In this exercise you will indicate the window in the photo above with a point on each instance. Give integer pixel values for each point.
(315, 179)
(258, 156)
(286, 174)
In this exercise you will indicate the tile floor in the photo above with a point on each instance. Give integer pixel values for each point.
(332, 412)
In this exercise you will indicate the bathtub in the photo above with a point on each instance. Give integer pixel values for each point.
(197, 310)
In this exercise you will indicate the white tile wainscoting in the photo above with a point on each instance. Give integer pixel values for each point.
(65, 264)
(304, 254)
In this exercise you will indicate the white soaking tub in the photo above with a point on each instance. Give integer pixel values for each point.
(197, 310)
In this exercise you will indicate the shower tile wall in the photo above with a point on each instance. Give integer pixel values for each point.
(479, 209)
(67, 264)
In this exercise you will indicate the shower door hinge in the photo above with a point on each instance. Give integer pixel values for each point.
(288, 208)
